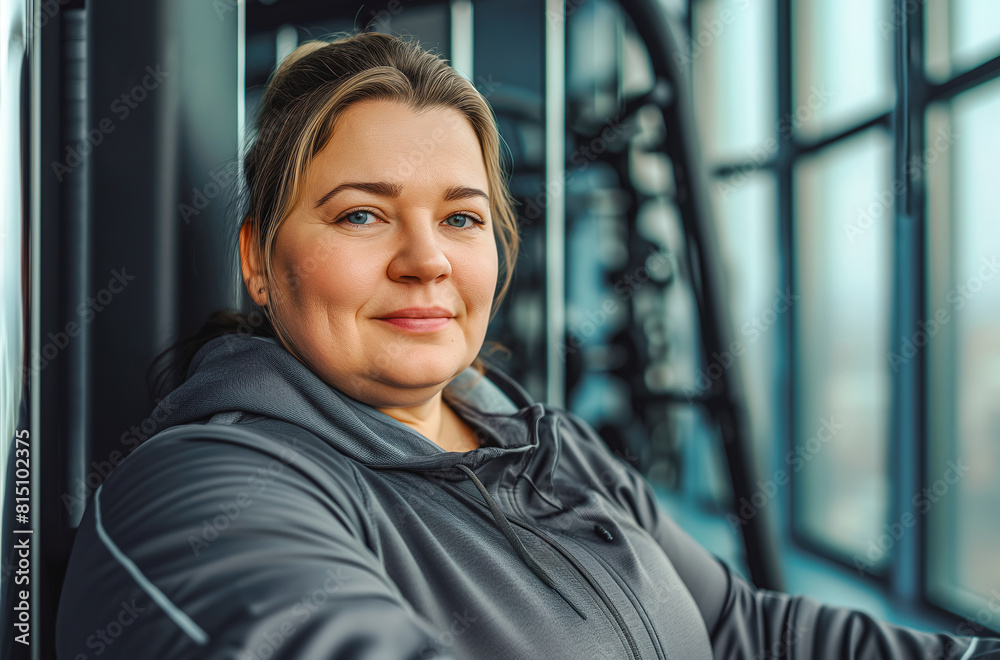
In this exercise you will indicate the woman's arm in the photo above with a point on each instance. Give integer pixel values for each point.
(200, 548)
(745, 622)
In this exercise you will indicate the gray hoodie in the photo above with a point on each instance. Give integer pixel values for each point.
(277, 518)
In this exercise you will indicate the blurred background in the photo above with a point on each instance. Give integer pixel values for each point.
(761, 242)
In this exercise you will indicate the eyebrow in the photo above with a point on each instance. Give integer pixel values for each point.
(464, 192)
(393, 190)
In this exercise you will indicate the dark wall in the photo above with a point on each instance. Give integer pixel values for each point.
(165, 75)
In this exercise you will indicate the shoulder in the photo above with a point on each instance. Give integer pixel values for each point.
(579, 434)
(585, 460)
(583, 455)
(196, 470)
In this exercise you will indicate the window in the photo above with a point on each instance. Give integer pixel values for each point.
(842, 63)
(879, 392)
(961, 34)
(963, 315)
(843, 291)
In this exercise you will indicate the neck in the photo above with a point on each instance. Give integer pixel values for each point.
(437, 422)
(424, 418)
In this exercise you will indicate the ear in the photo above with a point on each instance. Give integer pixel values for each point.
(253, 275)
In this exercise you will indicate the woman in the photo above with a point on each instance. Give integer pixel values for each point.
(343, 477)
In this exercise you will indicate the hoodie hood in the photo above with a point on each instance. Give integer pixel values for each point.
(235, 377)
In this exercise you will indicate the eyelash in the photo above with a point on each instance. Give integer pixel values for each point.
(476, 220)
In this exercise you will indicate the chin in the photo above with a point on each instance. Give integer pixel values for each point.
(424, 366)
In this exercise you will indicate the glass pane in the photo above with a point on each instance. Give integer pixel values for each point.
(843, 264)
(746, 216)
(960, 35)
(732, 59)
(843, 64)
(964, 318)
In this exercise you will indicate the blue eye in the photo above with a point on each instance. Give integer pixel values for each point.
(359, 217)
(461, 218)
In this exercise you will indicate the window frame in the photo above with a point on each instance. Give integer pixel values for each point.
(909, 435)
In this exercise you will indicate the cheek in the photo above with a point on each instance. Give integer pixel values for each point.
(322, 278)
(479, 277)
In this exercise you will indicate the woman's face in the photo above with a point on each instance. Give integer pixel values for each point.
(387, 266)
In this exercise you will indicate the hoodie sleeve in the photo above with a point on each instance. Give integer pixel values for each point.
(745, 622)
(203, 548)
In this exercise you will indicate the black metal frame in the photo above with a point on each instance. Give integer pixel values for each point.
(725, 402)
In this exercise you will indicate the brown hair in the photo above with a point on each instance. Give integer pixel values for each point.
(302, 100)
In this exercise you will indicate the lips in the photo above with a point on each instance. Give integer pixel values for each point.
(418, 313)
(419, 319)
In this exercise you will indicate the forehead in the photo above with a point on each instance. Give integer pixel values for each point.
(390, 141)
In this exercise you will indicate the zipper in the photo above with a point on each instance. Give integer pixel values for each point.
(615, 614)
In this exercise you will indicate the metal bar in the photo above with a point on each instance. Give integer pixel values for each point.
(48, 383)
(462, 50)
(35, 306)
(905, 426)
(710, 288)
(809, 147)
(76, 122)
(792, 147)
(237, 291)
(965, 81)
(555, 210)
(785, 340)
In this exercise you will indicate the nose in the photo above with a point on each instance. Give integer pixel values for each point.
(419, 255)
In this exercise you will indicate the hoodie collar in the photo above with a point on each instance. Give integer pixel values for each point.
(259, 377)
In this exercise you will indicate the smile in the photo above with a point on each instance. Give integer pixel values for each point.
(431, 324)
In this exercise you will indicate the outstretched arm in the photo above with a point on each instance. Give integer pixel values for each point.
(749, 623)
